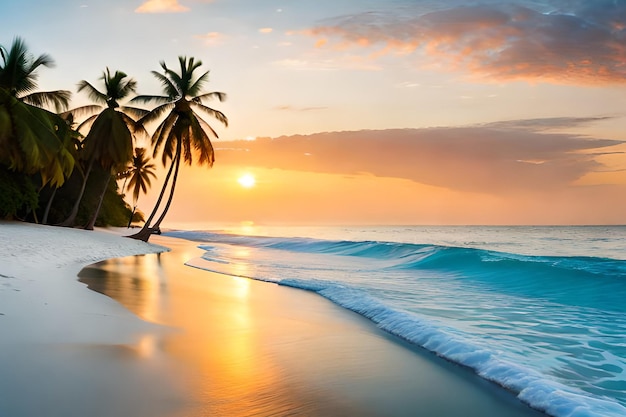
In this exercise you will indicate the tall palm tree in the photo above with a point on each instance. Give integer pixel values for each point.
(31, 138)
(182, 135)
(139, 176)
(72, 142)
(110, 140)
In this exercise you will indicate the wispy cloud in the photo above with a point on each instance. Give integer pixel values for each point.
(161, 6)
(212, 38)
(505, 157)
(266, 30)
(586, 45)
(299, 109)
(315, 63)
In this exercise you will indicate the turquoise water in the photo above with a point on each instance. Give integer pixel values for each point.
(538, 310)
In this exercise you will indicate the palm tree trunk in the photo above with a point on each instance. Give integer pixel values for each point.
(130, 220)
(71, 220)
(145, 232)
(44, 220)
(94, 216)
(157, 225)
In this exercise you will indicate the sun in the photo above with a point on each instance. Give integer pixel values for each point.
(247, 181)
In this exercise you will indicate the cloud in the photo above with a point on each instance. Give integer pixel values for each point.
(266, 30)
(211, 38)
(299, 109)
(161, 6)
(502, 157)
(581, 45)
(552, 123)
(318, 64)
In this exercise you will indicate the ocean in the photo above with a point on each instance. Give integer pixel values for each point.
(540, 311)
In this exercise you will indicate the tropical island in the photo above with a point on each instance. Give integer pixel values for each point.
(63, 166)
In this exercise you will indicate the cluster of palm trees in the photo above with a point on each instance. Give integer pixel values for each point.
(41, 140)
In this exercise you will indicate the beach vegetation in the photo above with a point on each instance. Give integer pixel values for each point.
(111, 133)
(33, 140)
(60, 170)
(18, 194)
(182, 135)
(138, 176)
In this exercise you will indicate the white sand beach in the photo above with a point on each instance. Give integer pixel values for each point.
(66, 350)
(179, 342)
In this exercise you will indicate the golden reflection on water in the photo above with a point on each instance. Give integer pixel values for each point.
(249, 349)
(136, 282)
(147, 346)
(216, 332)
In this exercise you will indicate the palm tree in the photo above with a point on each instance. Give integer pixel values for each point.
(72, 143)
(32, 139)
(111, 135)
(182, 135)
(139, 174)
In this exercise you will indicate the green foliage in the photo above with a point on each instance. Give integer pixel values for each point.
(17, 194)
(110, 139)
(114, 212)
(32, 139)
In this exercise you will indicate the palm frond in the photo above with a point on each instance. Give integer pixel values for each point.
(162, 138)
(136, 127)
(156, 113)
(208, 96)
(42, 60)
(212, 112)
(110, 139)
(168, 86)
(205, 125)
(147, 99)
(18, 74)
(92, 92)
(59, 99)
(202, 143)
(128, 87)
(185, 138)
(119, 86)
(135, 112)
(87, 122)
(196, 87)
(82, 111)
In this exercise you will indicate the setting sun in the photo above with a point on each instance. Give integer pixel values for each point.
(247, 181)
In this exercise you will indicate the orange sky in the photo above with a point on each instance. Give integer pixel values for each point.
(374, 111)
(490, 174)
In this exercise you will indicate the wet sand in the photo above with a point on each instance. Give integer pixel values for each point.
(238, 347)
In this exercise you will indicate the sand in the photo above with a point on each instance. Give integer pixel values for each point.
(176, 341)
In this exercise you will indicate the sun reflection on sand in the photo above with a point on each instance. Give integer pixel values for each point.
(136, 282)
(242, 287)
(246, 348)
(147, 345)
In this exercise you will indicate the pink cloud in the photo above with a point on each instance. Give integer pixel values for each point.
(498, 42)
(499, 157)
(161, 6)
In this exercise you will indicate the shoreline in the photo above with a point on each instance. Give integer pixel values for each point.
(293, 352)
(183, 342)
(65, 350)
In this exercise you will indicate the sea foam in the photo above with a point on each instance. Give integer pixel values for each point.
(493, 312)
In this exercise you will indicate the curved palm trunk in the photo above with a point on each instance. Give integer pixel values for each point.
(46, 212)
(132, 214)
(71, 220)
(157, 225)
(94, 216)
(146, 231)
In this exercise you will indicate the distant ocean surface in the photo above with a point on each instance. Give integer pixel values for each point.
(538, 310)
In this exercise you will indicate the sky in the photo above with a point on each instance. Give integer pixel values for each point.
(372, 111)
